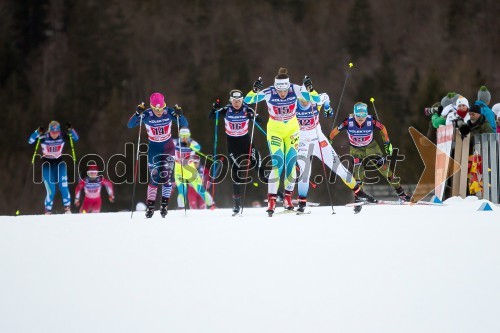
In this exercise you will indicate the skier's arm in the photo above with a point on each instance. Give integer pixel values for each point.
(195, 146)
(342, 126)
(35, 135)
(385, 136)
(109, 188)
(72, 133)
(78, 190)
(176, 115)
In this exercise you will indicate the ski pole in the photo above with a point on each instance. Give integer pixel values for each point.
(215, 150)
(374, 108)
(72, 147)
(203, 155)
(184, 186)
(36, 148)
(321, 154)
(324, 170)
(341, 95)
(260, 128)
(136, 167)
(249, 159)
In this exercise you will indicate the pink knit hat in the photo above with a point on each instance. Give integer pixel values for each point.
(157, 100)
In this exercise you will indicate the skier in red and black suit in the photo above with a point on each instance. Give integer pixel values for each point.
(91, 185)
(237, 117)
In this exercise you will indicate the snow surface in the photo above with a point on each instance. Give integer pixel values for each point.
(387, 269)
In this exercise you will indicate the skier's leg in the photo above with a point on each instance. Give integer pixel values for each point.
(63, 184)
(276, 149)
(304, 159)
(50, 186)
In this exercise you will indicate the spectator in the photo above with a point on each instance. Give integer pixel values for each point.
(483, 100)
(460, 111)
(478, 125)
(496, 111)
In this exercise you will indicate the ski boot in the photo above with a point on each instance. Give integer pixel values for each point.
(302, 205)
(237, 205)
(164, 207)
(280, 196)
(287, 201)
(271, 204)
(150, 208)
(402, 195)
(67, 209)
(360, 195)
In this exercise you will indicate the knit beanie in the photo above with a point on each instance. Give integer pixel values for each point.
(454, 96)
(475, 109)
(446, 101)
(484, 95)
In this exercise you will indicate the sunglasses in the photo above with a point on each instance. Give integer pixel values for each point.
(157, 109)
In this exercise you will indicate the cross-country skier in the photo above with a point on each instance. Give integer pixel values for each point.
(282, 132)
(186, 172)
(194, 200)
(54, 169)
(158, 121)
(237, 117)
(311, 139)
(91, 185)
(365, 150)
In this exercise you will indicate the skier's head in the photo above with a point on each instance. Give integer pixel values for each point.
(360, 110)
(92, 170)
(282, 82)
(54, 129)
(184, 134)
(236, 98)
(157, 101)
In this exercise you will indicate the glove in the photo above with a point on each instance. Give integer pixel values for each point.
(194, 147)
(328, 110)
(111, 199)
(177, 111)
(216, 105)
(140, 109)
(464, 130)
(308, 83)
(40, 130)
(77, 203)
(388, 148)
(250, 114)
(258, 85)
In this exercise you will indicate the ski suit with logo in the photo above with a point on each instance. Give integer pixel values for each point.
(186, 172)
(282, 134)
(54, 169)
(314, 143)
(161, 148)
(236, 125)
(92, 189)
(365, 150)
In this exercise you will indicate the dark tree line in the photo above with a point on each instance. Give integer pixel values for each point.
(90, 62)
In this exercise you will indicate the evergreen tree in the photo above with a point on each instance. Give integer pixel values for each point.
(359, 29)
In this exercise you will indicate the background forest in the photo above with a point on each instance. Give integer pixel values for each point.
(91, 62)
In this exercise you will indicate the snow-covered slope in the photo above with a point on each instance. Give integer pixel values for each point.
(387, 269)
